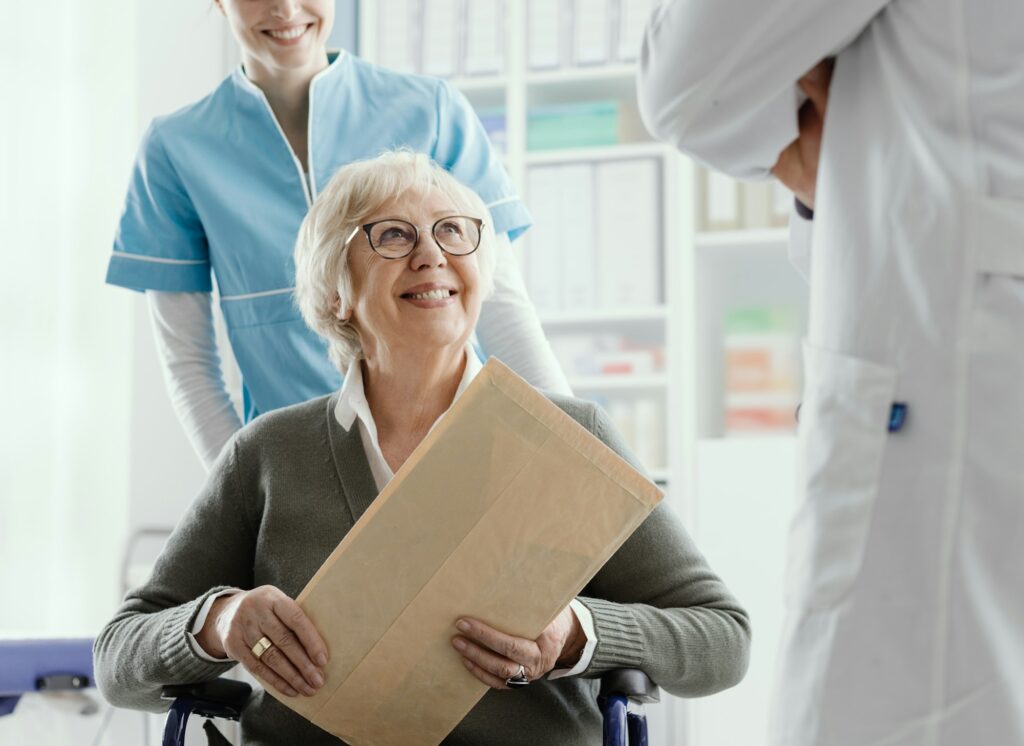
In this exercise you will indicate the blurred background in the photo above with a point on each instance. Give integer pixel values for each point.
(690, 339)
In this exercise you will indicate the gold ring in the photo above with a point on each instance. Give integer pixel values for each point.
(263, 645)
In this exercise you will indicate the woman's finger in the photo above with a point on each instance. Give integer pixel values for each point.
(246, 632)
(485, 676)
(293, 617)
(500, 667)
(291, 647)
(514, 648)
(274, 659)
(264, 673)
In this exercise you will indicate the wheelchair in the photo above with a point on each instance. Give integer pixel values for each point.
(622, 696)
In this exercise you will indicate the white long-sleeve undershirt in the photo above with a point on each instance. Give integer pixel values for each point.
(187, 345)
(184, 329)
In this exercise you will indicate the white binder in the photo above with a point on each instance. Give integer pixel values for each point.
(591, 25)
(543, 258)
(545, 23)
(442, 23)
(576, 245)
(398, 41)
(484, 32)
(633, 16)
(628, 220)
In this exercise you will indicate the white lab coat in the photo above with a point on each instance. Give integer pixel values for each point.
(905, 586)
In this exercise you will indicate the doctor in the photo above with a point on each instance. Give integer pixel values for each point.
(219, 190)
(906, 571)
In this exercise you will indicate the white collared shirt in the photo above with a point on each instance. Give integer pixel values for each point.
(352, 406)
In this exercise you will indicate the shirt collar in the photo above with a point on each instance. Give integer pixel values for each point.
(352, 397)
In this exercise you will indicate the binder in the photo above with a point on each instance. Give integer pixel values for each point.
(576, 237)
(591, 25)
(543, 263)
(719, 201)
(484, 37)
(442, 24)
(628, 219)
(398, 42)
(633, 16)
(545, 22)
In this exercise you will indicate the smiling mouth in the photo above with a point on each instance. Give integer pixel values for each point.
(288, 34)
(439, 294)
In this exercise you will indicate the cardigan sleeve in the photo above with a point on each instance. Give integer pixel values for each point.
(657, 606)
(145, 645)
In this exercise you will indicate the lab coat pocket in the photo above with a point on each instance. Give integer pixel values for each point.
(842, 435)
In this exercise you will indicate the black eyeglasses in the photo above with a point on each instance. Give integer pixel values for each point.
(457, 235)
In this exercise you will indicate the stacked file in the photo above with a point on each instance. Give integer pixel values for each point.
(596, 239)
(444, 38)
(576, 125)
(727, 204)
(567, 33)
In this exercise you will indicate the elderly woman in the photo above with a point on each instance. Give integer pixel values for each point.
(392, 264)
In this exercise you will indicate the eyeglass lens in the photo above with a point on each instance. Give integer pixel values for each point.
(395, 238)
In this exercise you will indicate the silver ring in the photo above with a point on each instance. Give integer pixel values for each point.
(518, 679)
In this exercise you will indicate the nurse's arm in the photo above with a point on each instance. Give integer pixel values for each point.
(509, 329)
(718, 77)
(187, 346)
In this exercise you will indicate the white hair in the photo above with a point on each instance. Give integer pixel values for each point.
(323, 283)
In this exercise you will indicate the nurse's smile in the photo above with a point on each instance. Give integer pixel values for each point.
(289, 35)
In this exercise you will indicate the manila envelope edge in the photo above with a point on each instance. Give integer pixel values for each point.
(557, 423)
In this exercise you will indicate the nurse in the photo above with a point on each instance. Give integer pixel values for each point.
(220, 188)
(904, 619)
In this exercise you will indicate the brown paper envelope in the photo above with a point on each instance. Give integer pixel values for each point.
(503, 513)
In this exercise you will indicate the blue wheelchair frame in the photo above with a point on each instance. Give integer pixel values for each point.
(624, 725)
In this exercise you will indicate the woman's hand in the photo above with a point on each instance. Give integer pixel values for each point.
(237, 622)
(493, 656)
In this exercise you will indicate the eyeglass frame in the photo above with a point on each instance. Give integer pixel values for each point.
(367, 227)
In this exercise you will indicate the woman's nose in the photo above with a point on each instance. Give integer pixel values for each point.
(427, 253)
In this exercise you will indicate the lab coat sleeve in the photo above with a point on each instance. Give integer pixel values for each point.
(509, 329)
(462, 147)
(160, 242)
(187, 346)
(145, 646)
(718, 77)
(657, 606)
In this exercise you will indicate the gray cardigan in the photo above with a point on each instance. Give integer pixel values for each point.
(288, 488)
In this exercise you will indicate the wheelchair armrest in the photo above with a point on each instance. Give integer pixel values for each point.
(220, 698)
(631, 683)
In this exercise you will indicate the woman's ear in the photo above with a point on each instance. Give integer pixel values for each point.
(343, 314)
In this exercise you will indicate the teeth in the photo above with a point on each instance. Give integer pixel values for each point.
(432, 295)
(292, 33)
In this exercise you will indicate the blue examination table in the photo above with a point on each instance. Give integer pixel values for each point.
(42, 665)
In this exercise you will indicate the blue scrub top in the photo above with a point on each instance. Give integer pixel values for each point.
(217, 192)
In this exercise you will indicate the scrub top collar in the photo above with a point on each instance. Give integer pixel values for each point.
(334, 64)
